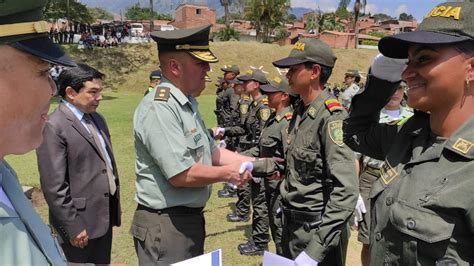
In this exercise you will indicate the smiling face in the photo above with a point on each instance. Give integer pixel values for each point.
(25, 93)
(436, 77)
(88, 98)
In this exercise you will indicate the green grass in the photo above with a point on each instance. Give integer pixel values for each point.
(127, 71)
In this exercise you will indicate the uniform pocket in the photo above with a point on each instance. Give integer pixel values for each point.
(195, 144)
(308, 164)
(79, 203)
(420, 223)
(138, 232)
(268, 147)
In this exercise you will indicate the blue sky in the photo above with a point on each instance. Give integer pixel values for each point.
(418, 8)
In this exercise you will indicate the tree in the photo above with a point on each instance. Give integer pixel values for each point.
(266, 15)
(225, 4)
(227, 34)
(136, 12)
(100, 13)
(66, 9)
(343, 13)
(358, 6)
(406, 17)
(381, 17)
(292, 18)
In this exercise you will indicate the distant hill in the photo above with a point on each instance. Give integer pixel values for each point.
(299, 11)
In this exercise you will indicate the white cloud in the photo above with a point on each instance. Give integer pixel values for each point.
(324, 5)
(371, 8)
(401, 9)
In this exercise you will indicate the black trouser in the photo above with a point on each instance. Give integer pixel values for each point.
(273, 198)
(163, 237)
(97, 250)
(242, 206)
(260, 234)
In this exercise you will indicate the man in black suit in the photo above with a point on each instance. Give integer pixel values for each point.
(77, 169)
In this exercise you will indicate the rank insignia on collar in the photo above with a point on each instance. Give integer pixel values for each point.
(335, 132)
(312, 112)
(462, 145)
(387, 173)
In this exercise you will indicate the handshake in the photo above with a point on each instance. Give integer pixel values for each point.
(271, 168)
(218, 133)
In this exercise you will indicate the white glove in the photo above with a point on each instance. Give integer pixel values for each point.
(249, 167)
(221, 131)
(222, 144)
(360, 209)
(388, 69)
(304, 260)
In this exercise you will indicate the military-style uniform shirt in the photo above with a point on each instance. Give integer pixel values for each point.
(223, 106)
(253, 122)
(423, 203)
(170, 137)
(25, 239)
(386, 118)
(316, 152)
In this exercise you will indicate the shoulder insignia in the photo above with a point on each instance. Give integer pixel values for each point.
(335, 132)
(278, 118)
(288, 115)
(265, 101)
(312, 112)
(162, 94)
(463, 146)
(245, 97)
(333, 105)
(264, 114)
(244, 108)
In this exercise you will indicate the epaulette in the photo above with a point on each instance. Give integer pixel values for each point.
(333, 105)
(162, 94)
(246, 97)
(288, 115)
(265, 101)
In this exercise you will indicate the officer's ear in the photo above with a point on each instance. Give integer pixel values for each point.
(316, 72)
(70, 93)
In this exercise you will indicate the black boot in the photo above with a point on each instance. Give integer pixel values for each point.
(252, 249)
(234, 217)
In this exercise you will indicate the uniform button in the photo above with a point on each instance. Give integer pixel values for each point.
(106, 195)
(378, 236)
(411, 224)
(389, 201)
(408, 170)
(104, 171)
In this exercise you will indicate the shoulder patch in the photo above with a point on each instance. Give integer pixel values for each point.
(243, 108)
(162, 94)
(264, 114)
(333, 105)
(335, 132)
(288, 115)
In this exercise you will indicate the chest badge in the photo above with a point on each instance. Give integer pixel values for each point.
(387, 173)
(462, 145)
(244, 108)
(197, 138)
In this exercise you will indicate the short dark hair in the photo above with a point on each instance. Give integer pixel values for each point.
(75, 77)
(466, 47)
(325, 71)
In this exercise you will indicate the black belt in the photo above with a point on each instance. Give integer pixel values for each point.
(172, 210)
(301, 217)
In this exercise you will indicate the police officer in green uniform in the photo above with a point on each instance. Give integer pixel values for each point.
(26, 89)
(225, 92)
(176, 158)
(320, 187)
(155, 78)
(422, 203)
(394, 114)
(272, 143)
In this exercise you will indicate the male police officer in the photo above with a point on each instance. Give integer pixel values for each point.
(175, 154)
(155, 78)
(26, 90)
(320, 186)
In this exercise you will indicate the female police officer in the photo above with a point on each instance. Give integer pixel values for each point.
(423, 203)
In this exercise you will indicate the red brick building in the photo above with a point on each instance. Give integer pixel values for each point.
(191, 16)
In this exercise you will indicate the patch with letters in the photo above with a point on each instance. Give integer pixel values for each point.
(387, 173)
(462, 145)
(264, 114)
(244, 108)
(446, 11)
(197, 138)
(335, 132)
(162, 94)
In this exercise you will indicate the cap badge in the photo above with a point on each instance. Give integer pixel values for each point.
(446, 11)
(299, 46)
(277, 80)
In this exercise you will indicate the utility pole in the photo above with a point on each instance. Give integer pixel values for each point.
(152, 14)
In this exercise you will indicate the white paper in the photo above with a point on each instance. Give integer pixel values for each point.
(271, 259)
(213, 258)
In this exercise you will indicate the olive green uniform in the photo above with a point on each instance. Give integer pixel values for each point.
(170, 137)
(254, 122)
(371, 171)
(273, 144)
(423, 204)
(320, 184)
(223, 105)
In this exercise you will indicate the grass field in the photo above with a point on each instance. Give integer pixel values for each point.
(127, 79)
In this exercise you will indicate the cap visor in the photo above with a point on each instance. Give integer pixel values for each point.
(396, 46)
(288, 62)
(244, 77)
(45, 49)
(206, 56)
(269, 88)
